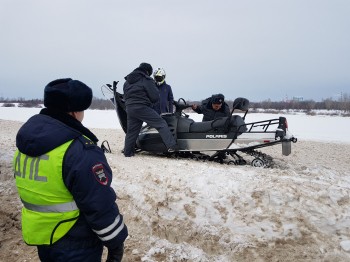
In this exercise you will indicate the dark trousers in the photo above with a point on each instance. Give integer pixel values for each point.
(137, 114)
(71, 251)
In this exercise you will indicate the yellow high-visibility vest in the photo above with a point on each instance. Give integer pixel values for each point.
(49, 210)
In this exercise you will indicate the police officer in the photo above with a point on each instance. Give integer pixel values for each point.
(213, 107)
(140, 93)
(63, 179)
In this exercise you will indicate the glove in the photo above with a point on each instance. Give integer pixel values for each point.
(116, 254)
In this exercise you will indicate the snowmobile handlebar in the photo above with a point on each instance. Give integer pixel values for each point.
(181, 106)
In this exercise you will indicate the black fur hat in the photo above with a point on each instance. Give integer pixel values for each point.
(147, 68)
(217, 99)
(67, 95)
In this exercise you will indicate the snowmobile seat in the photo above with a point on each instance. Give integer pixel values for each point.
(218, 125)
(202, 127)
(184, 124)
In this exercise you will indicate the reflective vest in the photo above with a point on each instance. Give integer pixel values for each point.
(49, 210)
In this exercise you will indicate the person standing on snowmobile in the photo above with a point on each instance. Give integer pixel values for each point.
(212, 108)
(64, 181)
(140, 93)
(165, 104)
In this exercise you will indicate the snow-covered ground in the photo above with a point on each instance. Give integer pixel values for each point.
(186, 210)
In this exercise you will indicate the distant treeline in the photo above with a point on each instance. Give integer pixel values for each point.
(342, 104)
(309, 105)
(97, 103)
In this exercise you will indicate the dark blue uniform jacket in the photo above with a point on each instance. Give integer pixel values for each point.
(165, 104)
(93, 194)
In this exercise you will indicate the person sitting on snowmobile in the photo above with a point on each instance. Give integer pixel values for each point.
(165, 103)
(140, 92)
(213, 107)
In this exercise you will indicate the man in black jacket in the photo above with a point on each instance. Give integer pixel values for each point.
(213, 107)
(140, 93)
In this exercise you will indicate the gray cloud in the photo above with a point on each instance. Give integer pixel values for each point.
(255, 49)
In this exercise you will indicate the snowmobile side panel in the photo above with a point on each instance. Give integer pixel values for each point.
(151, 142)
(203, 144)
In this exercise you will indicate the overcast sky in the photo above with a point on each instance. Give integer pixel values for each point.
(258, 49)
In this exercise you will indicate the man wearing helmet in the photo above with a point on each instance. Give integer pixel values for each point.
(213, 107)
(166, 98)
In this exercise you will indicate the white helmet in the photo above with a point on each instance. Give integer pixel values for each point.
(159, 75)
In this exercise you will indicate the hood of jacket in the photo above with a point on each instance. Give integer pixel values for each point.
(135, 76)
(43, 133)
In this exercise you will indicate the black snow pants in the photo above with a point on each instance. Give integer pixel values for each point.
(136, 115)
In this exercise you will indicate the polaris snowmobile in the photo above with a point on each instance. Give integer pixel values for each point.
(219, 140)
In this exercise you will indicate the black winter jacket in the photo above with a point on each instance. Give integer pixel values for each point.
(139, 88)
(82, 166)
(209, 113)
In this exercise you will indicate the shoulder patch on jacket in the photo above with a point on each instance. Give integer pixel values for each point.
(86, 142)
(99, 174)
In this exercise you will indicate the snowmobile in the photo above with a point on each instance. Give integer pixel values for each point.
(220, 140)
